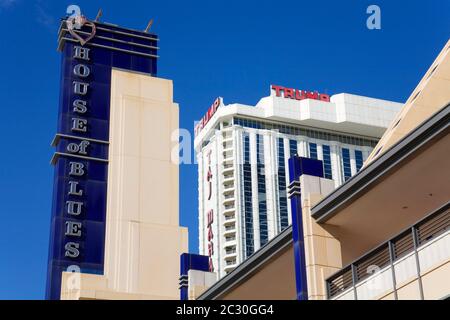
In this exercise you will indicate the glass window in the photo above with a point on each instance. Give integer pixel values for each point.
(346, 164)
(327, 162)
(247, 190)
(359, 160)
(314, 134)
(313, 151)
(282, 193)
(292, 147)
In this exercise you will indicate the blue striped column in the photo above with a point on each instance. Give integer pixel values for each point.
(188, 262)
(299, 166)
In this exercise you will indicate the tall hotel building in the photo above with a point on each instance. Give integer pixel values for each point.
(242, 153)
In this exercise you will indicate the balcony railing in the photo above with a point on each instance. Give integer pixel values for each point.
(230, 238)
(231, 262)
(230, 228)
(394, 262)
(228, 166)
(227, 187)
(228, 176)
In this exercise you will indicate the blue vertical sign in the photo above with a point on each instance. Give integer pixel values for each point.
(299, 166)
(77, 236)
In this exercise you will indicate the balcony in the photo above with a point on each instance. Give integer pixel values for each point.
(229, 196)
(230, 233)
(230, 238)
(228, 176)
(401, 261)
(230, 251)
(229, 226)
(228, 199)
(230, 230)
(230, 262)
(229, 268)
(228, 140)
(228, 189)
(228, 157)
(230, 256)
(229, 220)
(228, 169)
(228, 149)
(229, 211)
(228, 180)
(227, 163)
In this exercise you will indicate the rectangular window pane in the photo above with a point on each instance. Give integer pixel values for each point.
(262, 202)
(292, 147)
(327, 162)
(313, 151)
(359, 160)
(346, 163)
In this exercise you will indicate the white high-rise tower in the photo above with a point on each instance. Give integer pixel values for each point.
(243, 151)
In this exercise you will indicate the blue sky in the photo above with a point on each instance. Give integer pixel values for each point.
(233, 49)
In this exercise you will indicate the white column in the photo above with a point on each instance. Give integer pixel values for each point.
(336, 163)
(286, 163)
(352, 161)
(270, 162)
(366, 152)
(302, 147)
(216, 205)
(201, 229)
(255, 208)
(238, 182)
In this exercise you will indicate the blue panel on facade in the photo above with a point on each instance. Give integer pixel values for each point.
(80, 184)
(90, 241)
(299, 166)
(95, 170)
(94, 204)
(98, 128)
(190, 261)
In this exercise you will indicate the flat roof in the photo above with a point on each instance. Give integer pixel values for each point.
(345, 113)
